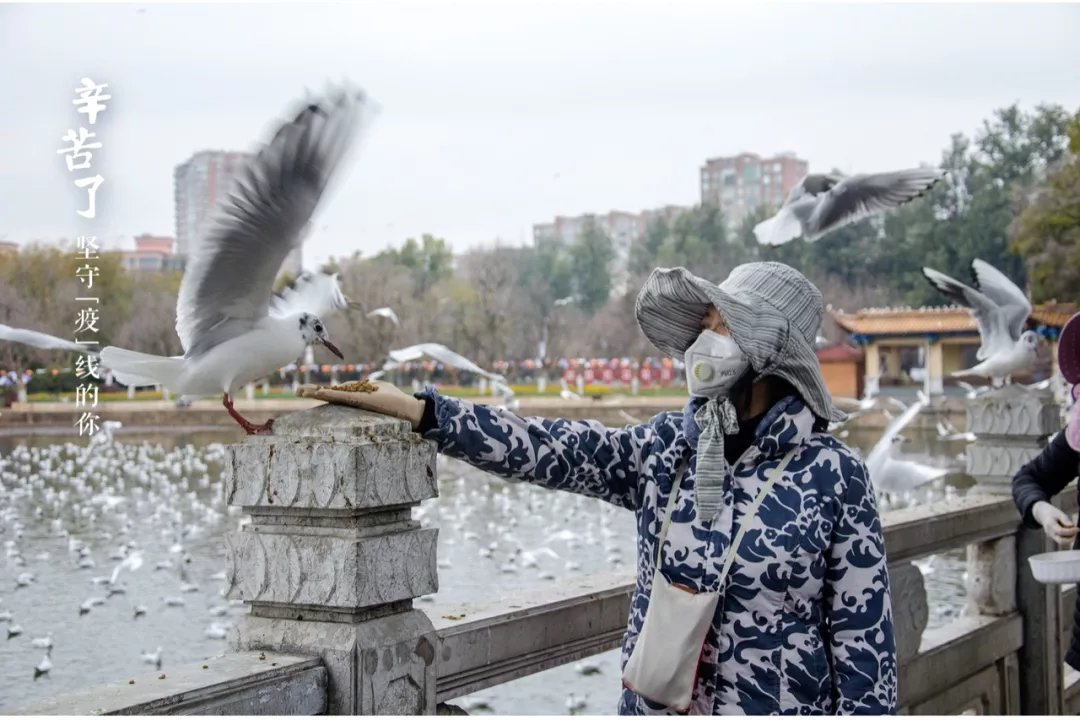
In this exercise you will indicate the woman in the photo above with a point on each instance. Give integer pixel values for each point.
(799, 619)
(1053, 469)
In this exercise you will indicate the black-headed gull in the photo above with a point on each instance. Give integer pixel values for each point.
(447, 356)
(1001, 311)
(822, 203)
(232, 328)
(890, 474)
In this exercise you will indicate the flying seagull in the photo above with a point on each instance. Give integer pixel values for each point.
(42, 340)
(822, 203)
(387, 313)
(1001, 311)
(232, 328)
(444, 355)
(891, 474)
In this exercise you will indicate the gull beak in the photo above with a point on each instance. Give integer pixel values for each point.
(333, 348)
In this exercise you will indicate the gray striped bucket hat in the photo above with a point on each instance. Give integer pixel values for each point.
(771, 310)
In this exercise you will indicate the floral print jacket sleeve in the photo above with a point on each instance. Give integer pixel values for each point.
(858, 603)
(580, 456)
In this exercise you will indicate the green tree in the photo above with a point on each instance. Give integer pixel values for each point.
(1047, 232)
(430, 260)
(590, 260)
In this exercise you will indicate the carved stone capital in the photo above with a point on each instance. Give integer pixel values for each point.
(334, 569)
(1013, 410)
(331, 458)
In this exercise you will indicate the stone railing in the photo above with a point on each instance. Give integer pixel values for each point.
(332, 560)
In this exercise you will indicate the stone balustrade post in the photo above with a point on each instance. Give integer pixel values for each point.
(1012, 425)
(331, 561)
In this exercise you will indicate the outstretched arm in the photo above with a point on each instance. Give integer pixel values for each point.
(859, 604)
(581, 456)
(1044, 476)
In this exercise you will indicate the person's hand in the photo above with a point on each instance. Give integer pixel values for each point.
(1055, 523)
(385, 399)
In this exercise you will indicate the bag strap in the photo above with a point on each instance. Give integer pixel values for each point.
(673, 496)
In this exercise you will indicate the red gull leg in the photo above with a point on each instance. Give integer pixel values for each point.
(244, 423)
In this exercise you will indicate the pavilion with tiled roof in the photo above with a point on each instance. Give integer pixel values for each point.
(943, 331)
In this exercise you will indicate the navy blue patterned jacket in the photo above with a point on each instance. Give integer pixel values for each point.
(805, 623)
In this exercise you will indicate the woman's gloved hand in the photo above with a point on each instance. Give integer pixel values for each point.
(1055, 523)
(385, 399)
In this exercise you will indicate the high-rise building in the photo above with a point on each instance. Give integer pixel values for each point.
(740, 183)
(200, 183)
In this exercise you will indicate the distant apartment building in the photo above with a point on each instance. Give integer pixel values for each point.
(8, 248)
(670, 213)
(200, 183)
(740, 183)
(153, 253)
(623, 228)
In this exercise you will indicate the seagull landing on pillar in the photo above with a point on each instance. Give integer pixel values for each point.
(1001, 311)
(233, 329)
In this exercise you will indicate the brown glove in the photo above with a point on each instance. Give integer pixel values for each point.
(377, 397)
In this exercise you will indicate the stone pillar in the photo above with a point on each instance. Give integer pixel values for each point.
(872, 384)
(991, 577)
(332, 559)
(249, 391)
(541, 383)
(1011, 426)
(935, 367)
(892, 362)
(911, 609)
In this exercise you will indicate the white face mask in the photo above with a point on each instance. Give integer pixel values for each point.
(713, 363)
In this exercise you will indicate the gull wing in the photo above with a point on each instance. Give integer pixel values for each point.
(444, 355)
(853, 198)
(1013, 303)
(992, 321)
(41, 340)
(316, 293)
(883, 446)
(230, 275)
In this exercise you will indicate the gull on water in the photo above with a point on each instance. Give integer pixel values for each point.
(45, 642)
(1001, 310)
(890, 474)
(153, 658)
(43, 667)
(232, 329)
(820, 204)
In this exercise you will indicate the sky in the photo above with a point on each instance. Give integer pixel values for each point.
(498, 115)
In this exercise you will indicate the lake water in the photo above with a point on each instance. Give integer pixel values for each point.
(69, 517)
